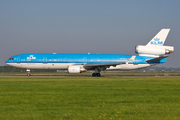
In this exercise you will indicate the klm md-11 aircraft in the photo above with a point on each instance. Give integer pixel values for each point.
(147, 55)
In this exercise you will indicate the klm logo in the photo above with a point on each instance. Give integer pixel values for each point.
(156, 42)
(31, 57)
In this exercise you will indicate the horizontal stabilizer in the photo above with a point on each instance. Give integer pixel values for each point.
(158, 58)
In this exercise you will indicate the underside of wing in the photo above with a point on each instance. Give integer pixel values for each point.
(92, 65)
(107, 65)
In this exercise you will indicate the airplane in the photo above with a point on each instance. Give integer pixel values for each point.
(147, 55)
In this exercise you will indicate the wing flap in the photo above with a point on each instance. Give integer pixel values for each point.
(102, 64)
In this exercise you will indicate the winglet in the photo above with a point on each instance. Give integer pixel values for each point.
(131, 59)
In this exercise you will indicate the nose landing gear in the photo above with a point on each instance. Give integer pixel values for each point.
(28, 74)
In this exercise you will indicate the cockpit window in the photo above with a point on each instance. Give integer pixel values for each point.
(11, 58)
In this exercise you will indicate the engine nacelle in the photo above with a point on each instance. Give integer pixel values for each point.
(76, 69)
(154, 50)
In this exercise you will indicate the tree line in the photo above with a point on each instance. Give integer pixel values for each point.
(13, 69)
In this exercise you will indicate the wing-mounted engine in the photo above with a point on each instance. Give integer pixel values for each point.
(76, 69)
(154, 50)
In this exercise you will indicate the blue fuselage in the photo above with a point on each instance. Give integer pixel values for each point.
(80, 58)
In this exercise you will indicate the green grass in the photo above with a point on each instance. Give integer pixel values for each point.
(88, 74)
(83, 98)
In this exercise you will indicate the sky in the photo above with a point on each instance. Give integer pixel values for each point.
(83, 26)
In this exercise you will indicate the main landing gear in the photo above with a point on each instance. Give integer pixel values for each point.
(96, 75)
(97, 72)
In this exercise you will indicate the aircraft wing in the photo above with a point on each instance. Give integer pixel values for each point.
(102, 64)
(158, 58)
(94, 65)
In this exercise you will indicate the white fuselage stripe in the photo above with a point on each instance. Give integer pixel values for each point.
(64, 66)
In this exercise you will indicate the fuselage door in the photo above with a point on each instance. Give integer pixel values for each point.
(18, 60)
(84, 60)
(45, 60)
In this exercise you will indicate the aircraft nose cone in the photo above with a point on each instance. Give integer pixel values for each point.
(7, 62)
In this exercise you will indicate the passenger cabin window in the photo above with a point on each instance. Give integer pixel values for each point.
(11, 58)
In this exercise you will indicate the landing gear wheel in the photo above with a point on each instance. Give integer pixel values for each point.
(96, 75)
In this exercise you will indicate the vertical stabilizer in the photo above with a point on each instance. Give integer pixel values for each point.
(159, 39)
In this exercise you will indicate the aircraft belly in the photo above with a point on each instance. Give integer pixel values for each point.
(57, 66)
(64, 66)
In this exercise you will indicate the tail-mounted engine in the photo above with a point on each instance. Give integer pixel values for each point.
(154, 50)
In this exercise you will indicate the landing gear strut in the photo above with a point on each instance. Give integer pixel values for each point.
(97, 73)
(28, 74)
